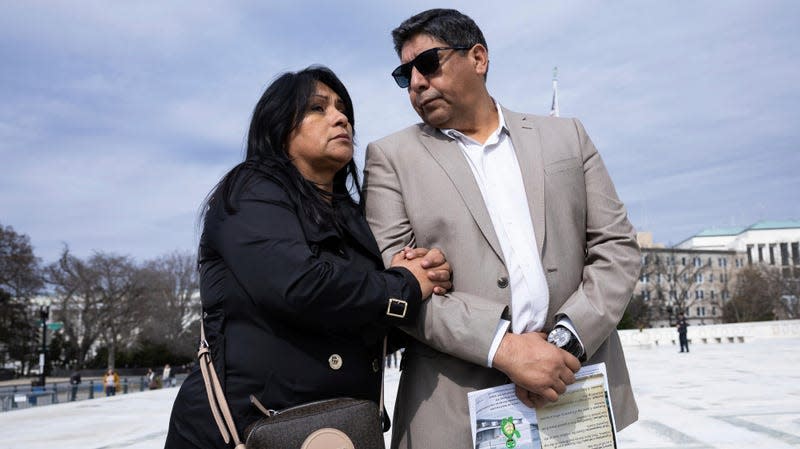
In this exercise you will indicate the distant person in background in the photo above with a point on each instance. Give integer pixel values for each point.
(152, 383)
(74, 381)
(682, 325)
(167, 376)
(110, 381)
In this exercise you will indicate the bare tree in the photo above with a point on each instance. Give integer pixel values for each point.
(175, 301)
(101, 299)
(670, 278)
(788, 280)
(756, 297)
(20, 281)
(20, 274)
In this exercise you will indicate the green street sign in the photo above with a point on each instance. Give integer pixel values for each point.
(55, 325)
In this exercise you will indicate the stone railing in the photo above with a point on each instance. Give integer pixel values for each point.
(712, 333)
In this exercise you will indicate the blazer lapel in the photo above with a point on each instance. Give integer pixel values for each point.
(448, 155)
(528, 148)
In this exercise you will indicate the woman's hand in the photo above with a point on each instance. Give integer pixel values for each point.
(430, 267)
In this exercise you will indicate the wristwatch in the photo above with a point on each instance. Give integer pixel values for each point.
(566, 340)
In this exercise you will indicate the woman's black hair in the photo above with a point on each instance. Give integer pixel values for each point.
(279, 112)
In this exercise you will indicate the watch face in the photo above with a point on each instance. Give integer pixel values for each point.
(559, 337)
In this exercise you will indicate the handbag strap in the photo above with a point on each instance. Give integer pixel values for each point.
(216, 395)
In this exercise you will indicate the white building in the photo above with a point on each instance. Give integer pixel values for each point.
(771, 242)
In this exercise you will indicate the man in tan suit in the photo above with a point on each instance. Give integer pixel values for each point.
(525, 211)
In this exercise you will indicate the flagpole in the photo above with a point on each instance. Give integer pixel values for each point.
(554, 106)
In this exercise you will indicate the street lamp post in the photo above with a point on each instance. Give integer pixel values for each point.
(44, 313)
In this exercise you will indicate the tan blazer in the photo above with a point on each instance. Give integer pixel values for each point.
(419, 190)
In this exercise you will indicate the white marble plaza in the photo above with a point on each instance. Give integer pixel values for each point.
(721, 395)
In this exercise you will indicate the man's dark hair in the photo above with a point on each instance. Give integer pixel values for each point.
(448, 25)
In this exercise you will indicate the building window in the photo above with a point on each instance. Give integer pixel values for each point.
(698, 278)
(796, 253)
(644, 278)
(646, 295)
(784, 254)
(713, 293)
(760, 253)
(697, 262)
(644, 260)
(713, 311)
(711, 278)
(750, 254)
(683, 261)
(772, 254)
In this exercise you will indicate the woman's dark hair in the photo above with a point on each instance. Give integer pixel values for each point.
(280, 111)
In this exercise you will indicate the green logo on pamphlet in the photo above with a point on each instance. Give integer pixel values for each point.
(510, 431)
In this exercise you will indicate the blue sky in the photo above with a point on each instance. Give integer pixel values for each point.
(117, 118)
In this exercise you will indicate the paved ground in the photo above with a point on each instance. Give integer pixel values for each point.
(732, 396)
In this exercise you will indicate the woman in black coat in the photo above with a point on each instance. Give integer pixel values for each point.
(295, 298)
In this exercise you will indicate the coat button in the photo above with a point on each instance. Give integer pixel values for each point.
(335, 361)
(376, 365)
(502, 282)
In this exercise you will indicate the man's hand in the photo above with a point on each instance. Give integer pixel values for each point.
(430, 267)
(434, 261)
(540, 370)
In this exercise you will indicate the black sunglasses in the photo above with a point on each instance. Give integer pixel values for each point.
(426, 63)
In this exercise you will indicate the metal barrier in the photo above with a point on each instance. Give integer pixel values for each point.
(22, 396)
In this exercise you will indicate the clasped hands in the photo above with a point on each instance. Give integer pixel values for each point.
(540, 370)
(429, 266)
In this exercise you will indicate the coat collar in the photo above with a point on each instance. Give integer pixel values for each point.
(355, 225)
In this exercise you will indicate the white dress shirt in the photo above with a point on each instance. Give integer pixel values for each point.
(496, 170)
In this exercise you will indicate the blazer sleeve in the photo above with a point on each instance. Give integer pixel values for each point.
(264, 247)
(612, 261)
(458, 323)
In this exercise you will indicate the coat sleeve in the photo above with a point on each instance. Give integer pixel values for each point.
(460, 324)
(264, 247)
(612, 261)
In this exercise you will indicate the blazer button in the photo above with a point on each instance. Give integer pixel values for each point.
(502, 282)
(335, 361)
(376, 365)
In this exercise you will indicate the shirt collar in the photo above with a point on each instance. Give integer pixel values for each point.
(493, 137)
